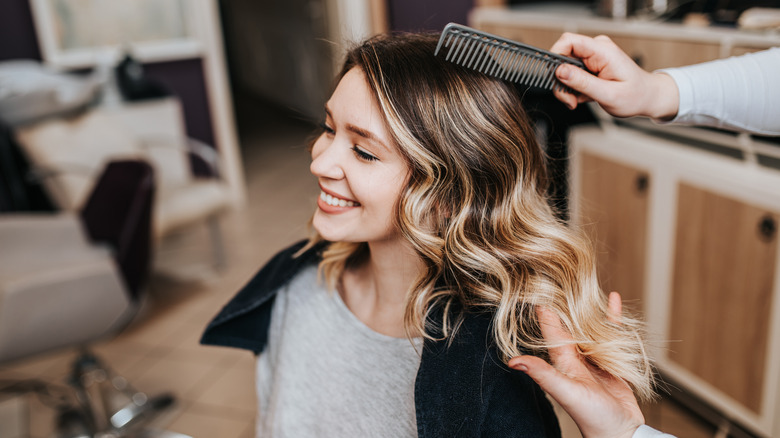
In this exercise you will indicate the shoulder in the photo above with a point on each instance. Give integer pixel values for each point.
(243, 322)
(465, 389)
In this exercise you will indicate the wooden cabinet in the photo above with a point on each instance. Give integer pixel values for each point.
(693, 233)
(655, 53)
(650, 53)
(614, 202)
(725, 256)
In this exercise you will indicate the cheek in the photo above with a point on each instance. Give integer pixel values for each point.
(388, 191)
(317, 147)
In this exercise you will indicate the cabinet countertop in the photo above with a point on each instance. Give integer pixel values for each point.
(580, 19)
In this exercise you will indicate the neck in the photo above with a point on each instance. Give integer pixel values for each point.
(376, 290)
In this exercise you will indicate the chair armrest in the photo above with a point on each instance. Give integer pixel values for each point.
(202, 152)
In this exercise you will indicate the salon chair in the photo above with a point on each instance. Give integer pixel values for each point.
(68, 279)
(69, 152)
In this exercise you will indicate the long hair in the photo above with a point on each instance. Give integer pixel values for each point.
(475, 211)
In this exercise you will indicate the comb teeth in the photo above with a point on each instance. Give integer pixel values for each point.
(502, 58)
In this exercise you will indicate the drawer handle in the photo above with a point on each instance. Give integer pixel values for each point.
(642, 183)
(767, 228)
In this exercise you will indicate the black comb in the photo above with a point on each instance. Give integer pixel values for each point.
(503, 58)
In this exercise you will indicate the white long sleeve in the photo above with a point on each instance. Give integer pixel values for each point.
(648, 432)
(739, 93)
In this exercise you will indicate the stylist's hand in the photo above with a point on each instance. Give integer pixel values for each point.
(603, 406)
(618, 84)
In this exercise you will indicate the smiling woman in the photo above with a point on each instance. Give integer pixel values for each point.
(438, 247)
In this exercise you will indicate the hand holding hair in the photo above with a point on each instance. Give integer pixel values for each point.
(602, 405)
(619, 85)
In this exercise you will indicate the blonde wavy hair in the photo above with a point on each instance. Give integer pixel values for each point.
(475, 210)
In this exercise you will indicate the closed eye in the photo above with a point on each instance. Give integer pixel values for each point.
(363, 155)
(327, 129)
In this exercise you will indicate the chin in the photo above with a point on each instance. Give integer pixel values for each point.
(339, 230)
(327, 232)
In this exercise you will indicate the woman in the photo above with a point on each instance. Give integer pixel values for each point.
(437, 245)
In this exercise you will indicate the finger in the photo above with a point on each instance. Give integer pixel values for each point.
(581, 81)
(571, 99)
(581, 98)
(576, 45)
(560, 387)
(563, 353)
(615, 305)
(564, 44)
(567, 98)
(551, 326)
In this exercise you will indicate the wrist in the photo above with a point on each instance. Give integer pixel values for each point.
(664, 98)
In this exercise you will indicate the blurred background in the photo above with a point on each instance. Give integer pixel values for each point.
(153, 155)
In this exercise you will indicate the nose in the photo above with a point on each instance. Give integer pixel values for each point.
(325, 162)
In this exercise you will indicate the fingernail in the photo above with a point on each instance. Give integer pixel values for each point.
(517, 365)
(563, 72)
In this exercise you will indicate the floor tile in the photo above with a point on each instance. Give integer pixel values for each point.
(171, 374)
(43, 365)
(232, 387)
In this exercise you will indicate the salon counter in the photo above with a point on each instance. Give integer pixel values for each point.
(653, 44)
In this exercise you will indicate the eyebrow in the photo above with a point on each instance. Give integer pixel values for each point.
(360, 131)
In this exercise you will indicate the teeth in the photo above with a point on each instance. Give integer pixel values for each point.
(336, 202)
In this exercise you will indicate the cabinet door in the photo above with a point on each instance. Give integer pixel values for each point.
(613, 212)
(722, 290)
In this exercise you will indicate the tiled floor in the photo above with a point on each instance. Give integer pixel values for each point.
(159, 351)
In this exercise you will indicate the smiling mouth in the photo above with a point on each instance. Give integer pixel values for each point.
(337, 202)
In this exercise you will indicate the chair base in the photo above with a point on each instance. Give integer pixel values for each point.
(97, 403)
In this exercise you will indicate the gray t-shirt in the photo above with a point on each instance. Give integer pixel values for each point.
(326, 374)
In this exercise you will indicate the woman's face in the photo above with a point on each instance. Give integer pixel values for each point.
(360, 171)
